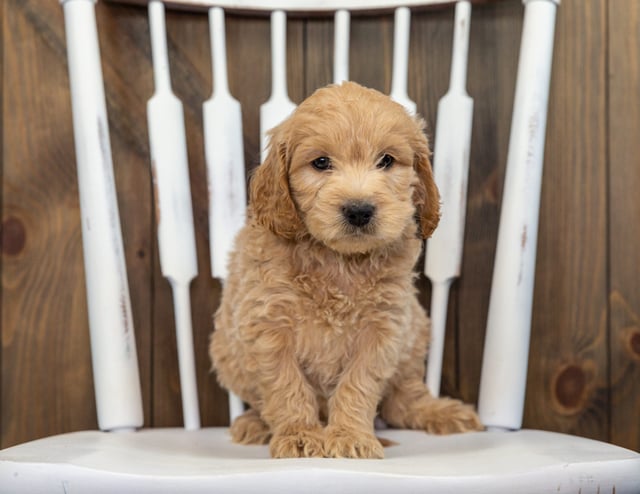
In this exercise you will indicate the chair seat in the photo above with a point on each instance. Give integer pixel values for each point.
(178, 461)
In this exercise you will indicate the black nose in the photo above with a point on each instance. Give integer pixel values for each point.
(358, 213)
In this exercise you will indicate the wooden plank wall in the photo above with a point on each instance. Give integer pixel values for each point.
(624, 229)
(584, 371)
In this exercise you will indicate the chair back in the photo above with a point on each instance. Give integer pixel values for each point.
(117, 383)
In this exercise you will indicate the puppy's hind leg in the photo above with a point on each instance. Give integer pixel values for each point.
(408, 404)
(249, 428)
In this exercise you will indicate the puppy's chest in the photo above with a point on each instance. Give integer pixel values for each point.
(333, 317)
(336, 301)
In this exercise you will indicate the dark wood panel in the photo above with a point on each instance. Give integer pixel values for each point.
(46, 361)
(319, 52)
(46, 373)
(568, 367)
(624, 227)
(2, 221)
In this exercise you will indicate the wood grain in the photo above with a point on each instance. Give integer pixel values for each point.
(624, 228)
(46, 373)
(3, 223)
(568, 371)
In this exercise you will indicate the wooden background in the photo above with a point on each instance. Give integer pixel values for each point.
(584, 371)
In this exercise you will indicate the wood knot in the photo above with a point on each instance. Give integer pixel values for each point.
(13, 236)
(634, 343)
(569, 388)
(492, 188)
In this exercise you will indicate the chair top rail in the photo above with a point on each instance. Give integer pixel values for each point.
(301, 6)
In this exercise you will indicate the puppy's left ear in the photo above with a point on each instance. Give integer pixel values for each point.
(425, 196)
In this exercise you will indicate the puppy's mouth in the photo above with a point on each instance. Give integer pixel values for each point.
(358, 228)
(360, 232)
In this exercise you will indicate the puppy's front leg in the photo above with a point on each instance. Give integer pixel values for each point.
(352, 408)
(289, 404)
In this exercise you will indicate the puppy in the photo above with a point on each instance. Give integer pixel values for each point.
(319, 326)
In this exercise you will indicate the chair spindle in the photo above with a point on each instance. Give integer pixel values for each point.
(341, 46)
(400, 69)
(113, 346)
(451, 169)
(176, 235)
(224, 153)
(506, 351)
(279, 106)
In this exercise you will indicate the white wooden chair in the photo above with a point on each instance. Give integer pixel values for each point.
(118, 458)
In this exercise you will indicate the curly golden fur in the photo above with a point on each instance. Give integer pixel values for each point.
(319, 326)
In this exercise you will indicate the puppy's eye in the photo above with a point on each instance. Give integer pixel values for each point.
(322, 163)
(386, 161)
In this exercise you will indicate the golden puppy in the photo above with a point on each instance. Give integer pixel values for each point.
(319, 326)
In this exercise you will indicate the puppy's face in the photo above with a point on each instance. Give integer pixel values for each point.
(351, 173)
(355, 168)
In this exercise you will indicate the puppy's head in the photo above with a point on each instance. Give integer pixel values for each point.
(351, 168)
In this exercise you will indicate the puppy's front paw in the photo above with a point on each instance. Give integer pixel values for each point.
(448, 416)
(304, 443)
(342, 442)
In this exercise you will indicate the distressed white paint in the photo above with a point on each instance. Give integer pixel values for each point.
(158, 461)
(279, 106)
(438, 314)
(451, 171)
(341, 30)
(174, 216)
(186, 359)
(400, 69)
(113, 347)
(506, 352)
(224, 151)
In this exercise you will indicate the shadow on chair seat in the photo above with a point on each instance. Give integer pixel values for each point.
(174, 460)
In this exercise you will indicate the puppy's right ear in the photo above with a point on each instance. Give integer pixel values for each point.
(270, 195)
(426, 196)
